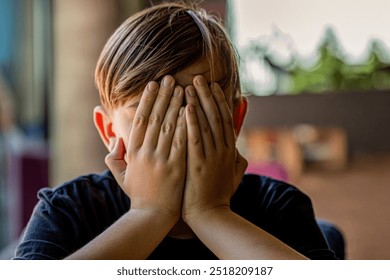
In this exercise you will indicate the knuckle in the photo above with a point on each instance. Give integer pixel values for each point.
(205, 128)
(177, 142)
(139, 120)
(154, 119)
(195, 140)
(206, 94)
(148, 98)
(146, 157)
(166, 128)
(164, 93)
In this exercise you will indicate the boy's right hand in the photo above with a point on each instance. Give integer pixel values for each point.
(151, 169)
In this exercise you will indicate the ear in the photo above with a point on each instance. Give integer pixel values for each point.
(103, 124)
(239, 114)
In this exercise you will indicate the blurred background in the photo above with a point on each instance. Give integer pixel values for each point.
(316, 74)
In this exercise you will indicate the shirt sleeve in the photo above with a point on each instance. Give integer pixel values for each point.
(283, 211)
(68, 217)
(50, 233)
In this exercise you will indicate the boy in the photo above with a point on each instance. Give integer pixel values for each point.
(168, 83)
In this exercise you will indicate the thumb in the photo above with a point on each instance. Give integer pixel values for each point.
(115, 160)
(241, 165)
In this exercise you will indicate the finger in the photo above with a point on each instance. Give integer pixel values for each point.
(241, 163)
(226, 115)
(178, 144)
(240, 167)
(202, 124)
(195, 145)
(141, 117)
(115, 160)
(158, 112)
(209, 108)
(168, 126)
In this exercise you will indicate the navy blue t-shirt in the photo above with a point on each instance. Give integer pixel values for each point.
(69, 216)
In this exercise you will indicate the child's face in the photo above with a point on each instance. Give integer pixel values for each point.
(122, 116)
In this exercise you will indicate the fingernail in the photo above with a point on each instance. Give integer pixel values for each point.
(190, 91)
(152, 86)
(200, 80)
(181, 112)
(177, 92)
(167, 81)
(191, 108)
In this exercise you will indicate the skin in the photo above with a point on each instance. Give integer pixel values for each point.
(193, 169)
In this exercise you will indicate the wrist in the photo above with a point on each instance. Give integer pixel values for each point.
(166, 216)
(199, 217)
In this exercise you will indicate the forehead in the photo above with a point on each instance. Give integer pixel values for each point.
(201, 67)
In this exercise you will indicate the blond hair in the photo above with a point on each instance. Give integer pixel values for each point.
(158, 41)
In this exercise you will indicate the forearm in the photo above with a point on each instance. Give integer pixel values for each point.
(230, 236)
(134, 236)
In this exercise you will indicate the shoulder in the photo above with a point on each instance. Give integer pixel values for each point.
(86, 199)
(282, 210)
(86, 183)
(85, 191)
(260, 193)
(70, 215)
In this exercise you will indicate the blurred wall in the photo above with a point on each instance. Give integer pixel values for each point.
(79, 33)
(364, 116)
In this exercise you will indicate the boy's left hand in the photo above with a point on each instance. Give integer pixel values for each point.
(214, 165)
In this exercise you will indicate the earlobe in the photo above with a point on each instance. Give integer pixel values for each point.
(103, 124)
